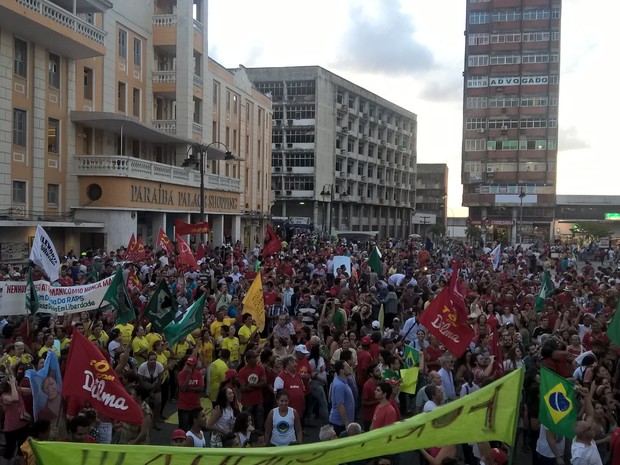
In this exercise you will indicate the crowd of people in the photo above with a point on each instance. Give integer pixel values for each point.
(331, 348)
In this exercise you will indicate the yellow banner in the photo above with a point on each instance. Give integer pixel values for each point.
(254, 303)
(487, 414)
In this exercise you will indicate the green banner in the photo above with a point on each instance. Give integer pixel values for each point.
(487, 414)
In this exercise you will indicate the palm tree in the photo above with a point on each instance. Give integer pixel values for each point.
(473, 233)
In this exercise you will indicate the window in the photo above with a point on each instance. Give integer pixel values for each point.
(300, 88)
(303, 160)
(121, 97)
(534, 101)
(536, 36)
(227, 101)
(479, 17)
(216, 93)
(19, 192)
(478, 60)
(137, 52)
(501, 102)
(505, 60)
(503, 124)
(475, 123)
(536, 13)
(19, 127)
(478, 39)
(503, 16)
(135, 102)
(300, 136)
(53, 194)
(535, 145)
(477, 81)
(505, 38)
(53, 135)
(54, 71)
(20, 59)
(88, 83)
(235, 104)
(476, 102)
(475, 145)
(299, 183)
(122, 43)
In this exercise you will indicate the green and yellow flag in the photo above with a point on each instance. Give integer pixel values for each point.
(411, 357)
(488, 414)
(409, 380)
(558, 408)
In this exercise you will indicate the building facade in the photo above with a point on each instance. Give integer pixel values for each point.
(510, 116)
(101, 104)
(343, 158)
(431, 203)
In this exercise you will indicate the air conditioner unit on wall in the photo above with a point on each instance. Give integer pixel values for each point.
(490, 169)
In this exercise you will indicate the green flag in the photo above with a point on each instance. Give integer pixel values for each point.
(374, 261)
(546, 289)
(613, 330)
(32, 297)
(119, 299)
(188, 322)
(93, 275)
(558, 407)
(162, 307)
(411, 357)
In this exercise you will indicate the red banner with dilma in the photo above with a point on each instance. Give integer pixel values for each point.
(443, 321)
(90, 377)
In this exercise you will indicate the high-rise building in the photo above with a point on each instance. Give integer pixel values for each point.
(510, 117)
(343, 158)
(100, 104)
(431, 197)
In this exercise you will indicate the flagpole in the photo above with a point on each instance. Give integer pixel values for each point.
(513, 448)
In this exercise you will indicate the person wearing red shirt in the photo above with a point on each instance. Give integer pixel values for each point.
(432, 353)
(289, 380)
(384, 414)
(595, 334)
(191, 384)
(364, 360)
(369, 401)
(269, 296)
(253, 379)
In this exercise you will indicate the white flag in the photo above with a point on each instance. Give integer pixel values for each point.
(44, 254)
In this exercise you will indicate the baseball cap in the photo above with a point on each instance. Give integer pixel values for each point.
(191, 361)
(366, 341)
(178, 434)
(376, 325)
(301, 348)
(230, 374)
(499, 456)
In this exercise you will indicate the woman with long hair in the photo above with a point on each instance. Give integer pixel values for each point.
(243, 427)
(283, 425)
(318, 381)
(222, 417)
(513, 360)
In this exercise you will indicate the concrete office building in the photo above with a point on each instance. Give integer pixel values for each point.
(431, 203)
(100, 102)
(343, 158)
(510, 117)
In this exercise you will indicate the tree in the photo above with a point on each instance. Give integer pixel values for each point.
(437, 230)
(473, 233)
(591, 230)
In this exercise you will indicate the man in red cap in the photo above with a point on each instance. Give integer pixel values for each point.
(191, 384)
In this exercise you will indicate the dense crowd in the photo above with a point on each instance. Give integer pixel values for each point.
(330, 352)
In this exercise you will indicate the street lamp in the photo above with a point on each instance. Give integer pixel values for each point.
(197, 158)
(519, 229)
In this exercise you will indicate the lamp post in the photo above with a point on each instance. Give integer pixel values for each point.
(519, 228)
(197, 158)
(328, 193)
(425, 220)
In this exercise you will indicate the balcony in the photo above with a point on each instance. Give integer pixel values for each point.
(165, 30)
(129, 167)
(45, 22)
(165, 82)
(165, 125)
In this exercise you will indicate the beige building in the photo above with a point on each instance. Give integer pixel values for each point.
(100, 105)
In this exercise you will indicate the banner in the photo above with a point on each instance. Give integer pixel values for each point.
(272, 243)
(186, 256)
(32, 298)
(163, 242)
(116, 295)
(90, 377)
(44, 254)
(183, 325)
(56, 300)
(488, 414)
(46, 385)
(183, 229)
(254, 303)
(162, 307)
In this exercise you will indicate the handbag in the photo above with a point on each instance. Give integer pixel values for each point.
(23, 413)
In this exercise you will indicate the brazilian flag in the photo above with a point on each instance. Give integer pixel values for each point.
(411, 357)
(558, 407)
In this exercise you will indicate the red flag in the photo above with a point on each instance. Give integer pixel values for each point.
(163, 242)
(183, 229)
(186, 257)
(272, 242)
(445, 323)
(131, 248)
(200, 252)
(140, 252)
(90, 377)
(456, 296)
(497, 351)
(133, 282)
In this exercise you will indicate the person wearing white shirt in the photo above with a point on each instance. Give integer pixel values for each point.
(435, 396)
(447, 378)
(584, 450)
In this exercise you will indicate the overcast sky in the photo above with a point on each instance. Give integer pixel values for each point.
(411, 53)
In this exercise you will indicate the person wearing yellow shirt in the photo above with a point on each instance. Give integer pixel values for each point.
(48, 344)
(246, 332)
(163, 354)
(126, 332)
(216, 326)
(62, 338)
(205, 348)
(139, 345)
(231, 343)
(98, 334)
(216, 373)
(152, 336)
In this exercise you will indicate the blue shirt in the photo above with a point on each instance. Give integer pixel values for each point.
(341, 394)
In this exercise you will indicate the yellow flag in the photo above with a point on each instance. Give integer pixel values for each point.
(409, 379)
(253, 302)
(488, 414)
